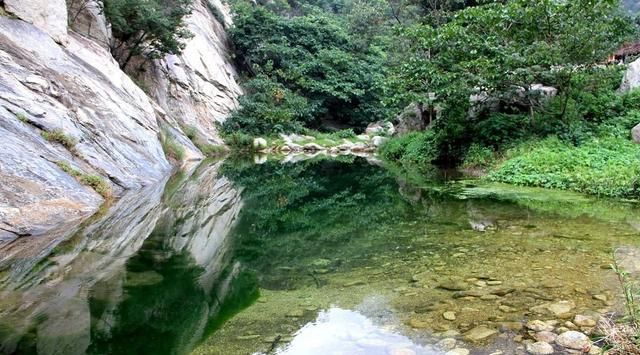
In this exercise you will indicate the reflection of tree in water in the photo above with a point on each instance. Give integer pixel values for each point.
(297, 213)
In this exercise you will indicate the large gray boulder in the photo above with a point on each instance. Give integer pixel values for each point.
(631, 79)
(48, 15)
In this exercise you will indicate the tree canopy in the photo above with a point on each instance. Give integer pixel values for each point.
(151, 28)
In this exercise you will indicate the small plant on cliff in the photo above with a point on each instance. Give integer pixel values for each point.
(171, 148)
(22, 117)
(94, 181)
(58, 135)
(148, 28)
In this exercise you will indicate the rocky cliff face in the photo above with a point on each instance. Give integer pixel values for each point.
(199, 87)
(64, 83)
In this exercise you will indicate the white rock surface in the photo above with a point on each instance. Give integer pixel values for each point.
(87, 18)
(635, 133)
(81, 91)
(631, 79)
(48, 15)
(199, 87)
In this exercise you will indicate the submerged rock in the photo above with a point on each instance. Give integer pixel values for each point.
(479, 333)
(453, 285)
(540, 348)
(584, 321)
(418, 324)
(545, 336)
(574, 340)
(447, 344)
(558, 309)
(538, 326)
(449, 316)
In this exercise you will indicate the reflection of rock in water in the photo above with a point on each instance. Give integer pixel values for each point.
(203, 213)
(409, 192)
(479, 219)
(340, 331)
(57, 296)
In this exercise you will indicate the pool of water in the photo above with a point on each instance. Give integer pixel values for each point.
(322, 256)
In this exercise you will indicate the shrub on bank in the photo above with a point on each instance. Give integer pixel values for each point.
(413, 148)
(608, 166)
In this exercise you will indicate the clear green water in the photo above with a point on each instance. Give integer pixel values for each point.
(317, 257)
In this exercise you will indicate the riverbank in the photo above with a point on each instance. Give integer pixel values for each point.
(602, 163)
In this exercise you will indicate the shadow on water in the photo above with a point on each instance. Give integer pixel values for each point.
(234, 258)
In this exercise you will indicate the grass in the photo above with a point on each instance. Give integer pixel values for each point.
(171, 148)
(94, 181)
(22, 117)
(58, 136)
(623, 337)
(208, 150)
(211, 150)
(191, 132)
(608, 166)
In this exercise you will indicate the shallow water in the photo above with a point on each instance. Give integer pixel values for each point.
(317, 257)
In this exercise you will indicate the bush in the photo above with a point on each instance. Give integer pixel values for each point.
(500, 129)
(313, 63)
(211, 150)
(267, 108)
(478, 157)
(343, 134)
(22, 117)
(58, 136)
(97, 183)
(191, 132)
(239, 141)
(151, 28)
(608, 166)
(413, 148)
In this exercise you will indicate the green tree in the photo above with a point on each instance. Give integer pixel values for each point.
(498, 50)
(315, 56)
(151, 28)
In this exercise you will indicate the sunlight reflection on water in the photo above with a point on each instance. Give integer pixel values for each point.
(339, 331)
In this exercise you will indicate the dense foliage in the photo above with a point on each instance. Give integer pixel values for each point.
(499, 75)
(495, 54)
(149, 28)
(314, 66)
